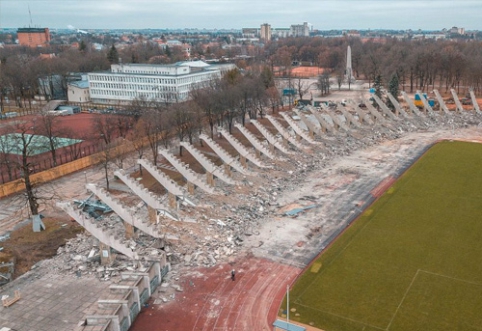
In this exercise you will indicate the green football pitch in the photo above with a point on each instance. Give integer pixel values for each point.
(412, 261)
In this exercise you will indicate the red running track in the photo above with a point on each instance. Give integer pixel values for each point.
(211, 301)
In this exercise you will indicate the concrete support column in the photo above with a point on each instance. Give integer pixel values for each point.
(298, 137)
(227, 169)
(105, 254)
(272, 149)
(190, 187)
(242, 160)
(129, 230)
(258, 152)
(152, 214)
(209, 178)
(284, 141)
(172, 200)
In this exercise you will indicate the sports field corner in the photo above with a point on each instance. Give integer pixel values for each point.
(412, 260)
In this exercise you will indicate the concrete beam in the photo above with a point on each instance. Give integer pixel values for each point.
(441, 102)
(286, 135)
(411, 105)
(458, 104)
(242, 150)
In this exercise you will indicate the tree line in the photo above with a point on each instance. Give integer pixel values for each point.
(144, 127)
(419, 64)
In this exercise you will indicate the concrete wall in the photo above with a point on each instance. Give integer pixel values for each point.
(130, 287)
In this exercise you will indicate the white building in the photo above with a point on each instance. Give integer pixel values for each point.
(78, 91)
(281, 32)
(300, 30)
(166, 83)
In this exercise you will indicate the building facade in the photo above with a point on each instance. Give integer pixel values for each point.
(164, 83)
(78, 91)
(300, 30)
(33, 37)
(265, 32)
(280, 32)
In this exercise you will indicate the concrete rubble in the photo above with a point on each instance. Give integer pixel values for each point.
(218, 228)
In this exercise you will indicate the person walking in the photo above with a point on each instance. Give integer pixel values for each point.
(233, 275)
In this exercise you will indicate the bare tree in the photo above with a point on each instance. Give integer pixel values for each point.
(181, 122)
(48, 126)
(230, 104)
(273, 97)
(323, 83)
(75, 150)
(302, 86)
(106, 126)
(194, 120)
(107, 157)
(25, 145)
(124, 124)
(138, 137)
(157, 128)
(208, 99)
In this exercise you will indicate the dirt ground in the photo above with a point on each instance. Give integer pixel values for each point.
(26, 247)
(301, 71)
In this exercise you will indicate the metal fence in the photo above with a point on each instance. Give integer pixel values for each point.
(45, 161)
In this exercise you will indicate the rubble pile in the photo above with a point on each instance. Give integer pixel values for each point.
(217, 228)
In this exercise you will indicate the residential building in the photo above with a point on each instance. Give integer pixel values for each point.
(353, 34)
(280, 32)
(300, 30)
(33, 37)
(161, 82)
(456, 30)
(250, 32)
(265, 32)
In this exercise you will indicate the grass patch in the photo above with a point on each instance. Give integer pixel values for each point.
(415, 253)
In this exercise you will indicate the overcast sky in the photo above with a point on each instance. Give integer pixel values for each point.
(172, 14)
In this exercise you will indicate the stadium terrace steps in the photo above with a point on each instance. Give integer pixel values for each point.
(270, 137)
(312, 128)
(104, 234)
(255, 141)
(189, 174)
(128, 216)
(385, 108)
(224, 155)
(284, 132)
(324, 124)
(299, 131)
(241, 149)
(147, 196)
(207, 164)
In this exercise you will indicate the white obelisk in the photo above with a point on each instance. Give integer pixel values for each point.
(349, 72)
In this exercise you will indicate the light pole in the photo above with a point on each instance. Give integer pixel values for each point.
(85, 176)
